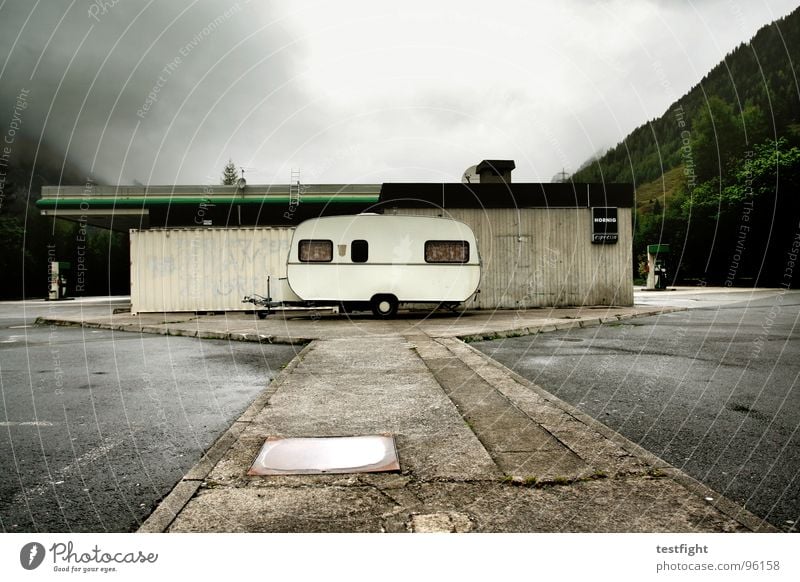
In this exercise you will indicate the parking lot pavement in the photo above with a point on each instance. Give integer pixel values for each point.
(451, 410)
(710, 390)
(96, 426)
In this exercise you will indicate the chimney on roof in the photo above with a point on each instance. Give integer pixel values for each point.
(495, 171)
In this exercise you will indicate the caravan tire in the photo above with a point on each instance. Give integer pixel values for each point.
(384, 306)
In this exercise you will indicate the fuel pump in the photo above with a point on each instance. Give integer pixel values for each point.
(57, 280)
(657, 266)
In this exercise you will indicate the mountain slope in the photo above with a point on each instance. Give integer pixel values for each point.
(758, 80)
(718, 175)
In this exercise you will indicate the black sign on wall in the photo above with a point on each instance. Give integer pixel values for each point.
(604, 225)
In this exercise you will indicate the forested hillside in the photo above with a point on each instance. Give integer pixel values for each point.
(733, 216)
(759, 83)
(26, 236)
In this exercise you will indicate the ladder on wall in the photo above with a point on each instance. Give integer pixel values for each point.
(294, 187)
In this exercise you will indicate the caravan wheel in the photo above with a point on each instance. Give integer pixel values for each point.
(384, 306)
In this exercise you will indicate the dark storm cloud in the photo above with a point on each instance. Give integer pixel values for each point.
(151, 91)
(166, 91)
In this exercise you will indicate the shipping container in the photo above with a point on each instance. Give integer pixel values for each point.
(204, 269)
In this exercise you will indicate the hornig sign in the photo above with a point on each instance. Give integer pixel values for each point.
(604, 225)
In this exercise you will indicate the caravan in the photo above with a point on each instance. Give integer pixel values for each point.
(374, 261)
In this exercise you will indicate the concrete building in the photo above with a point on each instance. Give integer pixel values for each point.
(541, 244)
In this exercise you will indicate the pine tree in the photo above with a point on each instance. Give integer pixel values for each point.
(229, 174)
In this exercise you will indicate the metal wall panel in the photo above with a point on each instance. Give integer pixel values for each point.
(204, 269)
(543, 257)
(539, 257)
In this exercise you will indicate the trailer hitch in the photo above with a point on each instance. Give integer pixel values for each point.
(260, 301)
(265, 303)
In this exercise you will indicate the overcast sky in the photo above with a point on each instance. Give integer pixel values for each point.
(354, 91)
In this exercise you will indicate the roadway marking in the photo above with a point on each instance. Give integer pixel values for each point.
(29, 423)
(92, 455)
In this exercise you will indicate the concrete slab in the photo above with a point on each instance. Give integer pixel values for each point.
(625, 505)
(285, 509)
(442, 522)
(589, 439)
(342, 389)
(607, 505)
(521, 447)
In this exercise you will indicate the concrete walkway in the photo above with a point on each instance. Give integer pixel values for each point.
(480, 448)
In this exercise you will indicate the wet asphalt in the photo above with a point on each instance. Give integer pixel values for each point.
(714, 390)
(96, 426)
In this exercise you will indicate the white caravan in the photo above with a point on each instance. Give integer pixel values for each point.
(375, 261)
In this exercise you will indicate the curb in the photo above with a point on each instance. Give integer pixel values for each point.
(567, 324)
(162, 329)
(169, 507)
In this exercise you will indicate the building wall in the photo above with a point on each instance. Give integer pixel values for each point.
(543, 257)
(204, 269)
(539, 257)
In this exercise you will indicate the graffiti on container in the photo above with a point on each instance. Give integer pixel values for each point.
(160, 266)
(184, 269)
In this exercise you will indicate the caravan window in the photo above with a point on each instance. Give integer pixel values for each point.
(446, 251)
(359, 251)
(315, 251)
